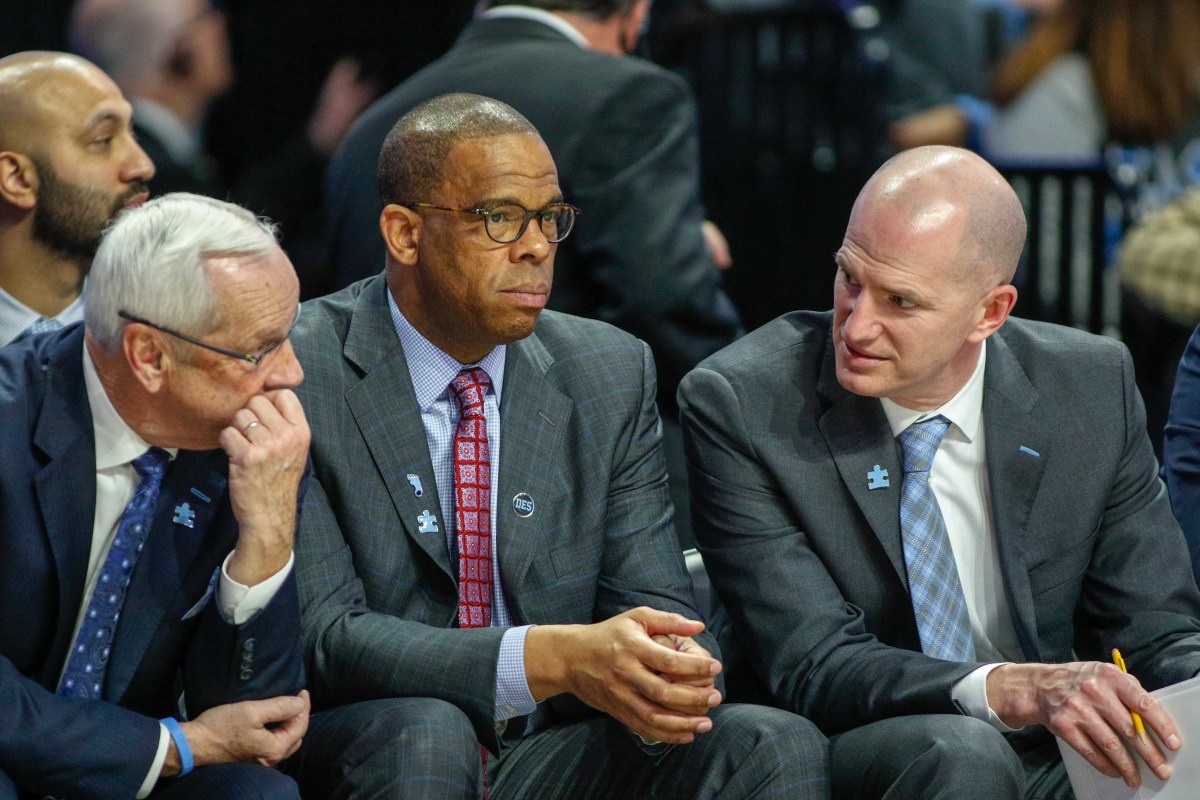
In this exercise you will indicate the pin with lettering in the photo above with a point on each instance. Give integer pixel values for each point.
(427, 522)
(878, 479)
(523, 505)
(415, 481)
(184, 516)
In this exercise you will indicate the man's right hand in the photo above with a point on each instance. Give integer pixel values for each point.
(238, 732)
(617, 667)
(1086, 704)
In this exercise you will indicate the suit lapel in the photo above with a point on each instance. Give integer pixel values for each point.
(859, 439)
(533, 423)
(1017, 452)
(384, 406)
(171, 549)
(66, 485)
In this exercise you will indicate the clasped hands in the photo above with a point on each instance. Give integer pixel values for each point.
(640, 667)
(1087, 704)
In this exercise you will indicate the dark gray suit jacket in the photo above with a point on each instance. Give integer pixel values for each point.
(808, 560)
(579, 434)
(623, 135)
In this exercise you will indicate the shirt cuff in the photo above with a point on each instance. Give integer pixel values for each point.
(157, 764)
(513, 698)
(970, 695)
(978, 114)
(239, 603)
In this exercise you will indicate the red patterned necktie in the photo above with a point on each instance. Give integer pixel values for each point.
(473, 509)
(473, 500)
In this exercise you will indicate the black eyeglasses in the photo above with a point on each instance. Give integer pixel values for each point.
(506, 222)
(253, 359)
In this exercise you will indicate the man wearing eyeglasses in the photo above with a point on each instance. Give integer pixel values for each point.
(486, 556)
(149, 620)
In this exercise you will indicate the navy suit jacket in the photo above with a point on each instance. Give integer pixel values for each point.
(1181, 448)
(81, 748)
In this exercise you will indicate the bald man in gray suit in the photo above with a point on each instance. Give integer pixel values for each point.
(920, 609)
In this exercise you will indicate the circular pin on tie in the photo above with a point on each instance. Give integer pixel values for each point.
(523, 505)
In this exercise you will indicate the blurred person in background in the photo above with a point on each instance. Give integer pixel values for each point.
(172, 59)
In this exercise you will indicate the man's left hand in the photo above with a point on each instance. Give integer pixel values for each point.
(268, 449)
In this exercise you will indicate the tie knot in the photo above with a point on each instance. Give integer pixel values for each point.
(151, 465)
(469, 386)
(920, 441)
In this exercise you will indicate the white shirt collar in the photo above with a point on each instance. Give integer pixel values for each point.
(181, 143)
(538, 15)
(431, 369)
(116, 442)
(964, 410)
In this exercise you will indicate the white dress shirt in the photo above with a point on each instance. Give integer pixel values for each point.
(117, 445)
(538, 15)
(959, 480)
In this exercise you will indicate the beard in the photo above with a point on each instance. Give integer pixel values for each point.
(70, 219)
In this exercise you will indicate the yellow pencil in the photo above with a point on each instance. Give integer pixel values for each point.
(1137, 718)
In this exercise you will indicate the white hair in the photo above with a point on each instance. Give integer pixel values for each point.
(152, 264)
(128, 39)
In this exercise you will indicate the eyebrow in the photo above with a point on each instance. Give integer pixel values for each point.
(102, 119)
(491, 201)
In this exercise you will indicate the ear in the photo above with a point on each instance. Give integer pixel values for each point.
(634, 26)
(995, 308)
(18, 180)
(147, 355)
(401, 229)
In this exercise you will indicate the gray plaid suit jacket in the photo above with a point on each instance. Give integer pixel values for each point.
(808, 559)
(579, 434)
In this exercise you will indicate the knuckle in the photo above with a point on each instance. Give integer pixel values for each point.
(1111, 744)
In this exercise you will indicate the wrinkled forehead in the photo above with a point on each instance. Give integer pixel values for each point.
(483, 164)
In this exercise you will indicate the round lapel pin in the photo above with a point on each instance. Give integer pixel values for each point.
(523, 505)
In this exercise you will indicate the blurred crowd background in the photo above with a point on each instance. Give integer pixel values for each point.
(1090, 107)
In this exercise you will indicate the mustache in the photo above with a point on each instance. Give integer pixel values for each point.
(134, 190)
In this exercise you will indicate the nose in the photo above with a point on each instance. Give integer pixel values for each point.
(859, 317)
(286, 372)
(138, 167)
(532, 245)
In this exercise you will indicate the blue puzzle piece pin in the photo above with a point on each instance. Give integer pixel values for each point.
(427, 522)
(878, 479)
(184, 516)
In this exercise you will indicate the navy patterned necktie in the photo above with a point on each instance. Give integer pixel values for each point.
(84, 675)
(42, 325)
(937, 596)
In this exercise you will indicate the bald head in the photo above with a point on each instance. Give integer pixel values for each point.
(34, 86)
(412, 162)
(928, 189)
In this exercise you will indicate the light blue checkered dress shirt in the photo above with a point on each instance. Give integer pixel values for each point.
(431, 371)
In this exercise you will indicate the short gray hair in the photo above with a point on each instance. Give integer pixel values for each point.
(151, 263)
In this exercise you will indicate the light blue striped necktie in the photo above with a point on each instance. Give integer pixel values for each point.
(937, 595)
